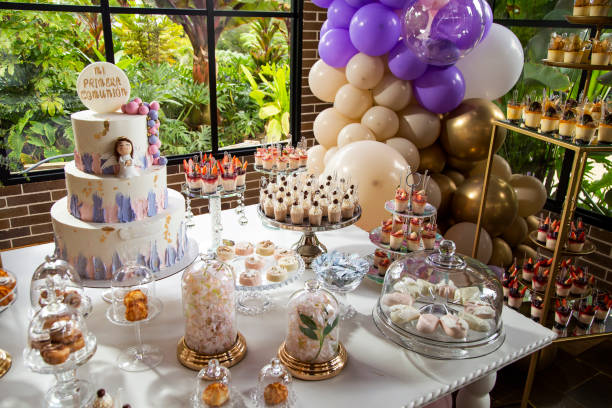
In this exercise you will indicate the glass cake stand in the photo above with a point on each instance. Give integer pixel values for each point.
(214, 208)
(274, 171)
(309, 246)
(256, 299)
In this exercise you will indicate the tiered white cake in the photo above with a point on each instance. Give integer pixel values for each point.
(104, 213)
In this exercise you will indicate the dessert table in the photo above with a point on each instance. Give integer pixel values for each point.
(377, 370)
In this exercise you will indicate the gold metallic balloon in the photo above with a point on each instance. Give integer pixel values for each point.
(447, 189)
(456, 176)
(502, 253)
(501, 205)
(533, 222)
(464, 166)
(523, 252)
(433, 159)
(516, 232)
(466, 131)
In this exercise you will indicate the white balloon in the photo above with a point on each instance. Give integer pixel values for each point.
(463, 234)
(494, 66)
(407, 149)
(329, 154)
(419, 126)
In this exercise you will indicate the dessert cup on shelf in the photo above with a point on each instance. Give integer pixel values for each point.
(581, 8)
(549, 122)
(599, 8)
(555, 48)
(537, 306)
(572, 49)
(514, 109)
(585, 128)
(533, 114)
(604, 132)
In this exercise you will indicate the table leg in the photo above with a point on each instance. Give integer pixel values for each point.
(476, 395)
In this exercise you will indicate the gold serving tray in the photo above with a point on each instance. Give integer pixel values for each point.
(314, 371)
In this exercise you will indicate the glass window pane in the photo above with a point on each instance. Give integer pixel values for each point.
(254, 5)
(177, 4)
(70, 2)
(253, 80)
(157, 54)
(42, 54)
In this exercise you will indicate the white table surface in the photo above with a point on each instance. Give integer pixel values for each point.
(378, 371)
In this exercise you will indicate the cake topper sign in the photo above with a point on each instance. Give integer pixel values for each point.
(103, 87)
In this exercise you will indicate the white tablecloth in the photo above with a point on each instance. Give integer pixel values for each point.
(378, 372)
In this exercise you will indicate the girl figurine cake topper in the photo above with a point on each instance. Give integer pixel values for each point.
(124, 152)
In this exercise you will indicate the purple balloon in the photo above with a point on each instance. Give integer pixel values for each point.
(335, 48)
(375, 29)
(440, 89)
(404, 64)
(322, 3)
(339, 14)
(488, 18)
(358, 3)
(324, 28)
(460, 21)
(394, 4)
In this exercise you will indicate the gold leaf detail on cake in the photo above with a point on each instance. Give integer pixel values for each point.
(103, 132)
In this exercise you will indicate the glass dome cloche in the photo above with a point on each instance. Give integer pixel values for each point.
(312, 348)
(441, 305)
(67, 284)
(209, 308)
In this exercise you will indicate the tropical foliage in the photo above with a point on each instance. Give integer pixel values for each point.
(165, 58)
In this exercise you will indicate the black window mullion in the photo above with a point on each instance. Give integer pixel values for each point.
(212, 76)
(295, 86)
(109, 48)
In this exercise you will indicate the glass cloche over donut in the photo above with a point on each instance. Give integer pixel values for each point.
(441, 304)
(65, 280)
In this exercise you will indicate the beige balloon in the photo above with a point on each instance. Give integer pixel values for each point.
(463, 234)
(434, 194)
(499, 168)
(364, 71)
(433, 158)
(407, 149)
(454, 175)
(329, 154)
(383, 122)
(530, 193)
(324, 81)
(533, 222)
(419, 126)
(315, 163)
(354, 132)
(392, 93)
(327, 125)
(516, 232)
(501, 254)
(376, 168)
(352, 102)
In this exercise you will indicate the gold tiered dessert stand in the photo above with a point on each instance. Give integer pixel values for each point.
(581, 153)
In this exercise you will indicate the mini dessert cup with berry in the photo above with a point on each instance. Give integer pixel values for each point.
(211, 180)
(604, 133)
(528, 270)
(563, 285)
(385, 234)
(580, 282)
(413, 242)
(515, 296)
(575, 242)
(540, 280)
(537, 306)
(585, 129)
(396, 240)
(586, 314)
(549, 122)
(563, 312)
(419, 200)
(551, 237)
(401, 200)
(383, 265)
(533, 115)
(543, 230)
(379, 255)
(415, 225)
(567, 124)
(508, 278)
(429, 236)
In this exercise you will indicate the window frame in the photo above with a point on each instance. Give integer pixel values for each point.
(106, 11)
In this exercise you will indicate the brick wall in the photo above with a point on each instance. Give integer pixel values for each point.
(24, 209)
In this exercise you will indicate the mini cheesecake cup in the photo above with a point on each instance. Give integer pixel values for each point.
(532, 119)
(600, 58)
(566, 128)
(514, 113)
(562, 289)
(604, 133)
